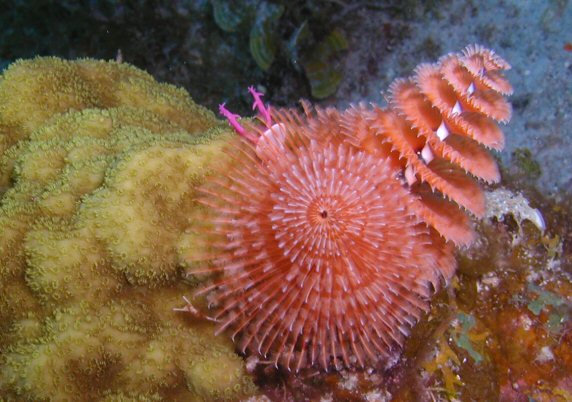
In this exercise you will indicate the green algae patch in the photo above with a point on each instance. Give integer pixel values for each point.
(464, 339)
(524, 161)
(544, 299)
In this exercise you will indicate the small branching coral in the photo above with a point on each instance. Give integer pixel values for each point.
(331, 229)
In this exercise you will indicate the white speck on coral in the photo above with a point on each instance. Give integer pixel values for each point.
(258, 398)
(534, 277)
(491, 279)
(349, 381)
(545, 355)
(251, 363)
(327, 398)
(526, 322)
(377, 396)
(502, 202)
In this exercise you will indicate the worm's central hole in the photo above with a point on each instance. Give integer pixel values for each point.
(324, 214)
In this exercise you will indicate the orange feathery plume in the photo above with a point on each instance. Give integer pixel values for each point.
(451, 108)
(331, 229)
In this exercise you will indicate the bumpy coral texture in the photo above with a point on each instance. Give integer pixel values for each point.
(332, 228)
(99, 165)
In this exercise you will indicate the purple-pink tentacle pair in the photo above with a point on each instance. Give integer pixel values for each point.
(264, 116)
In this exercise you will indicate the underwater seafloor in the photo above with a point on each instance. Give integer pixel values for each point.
(502, 330)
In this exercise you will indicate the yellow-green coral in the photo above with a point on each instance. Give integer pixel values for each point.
(32, 92)
(121, 345)
(98, 170)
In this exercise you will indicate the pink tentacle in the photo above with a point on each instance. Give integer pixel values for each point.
(262, 108)
(233, 121)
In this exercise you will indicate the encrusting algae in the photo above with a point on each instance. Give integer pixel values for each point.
(98, 169)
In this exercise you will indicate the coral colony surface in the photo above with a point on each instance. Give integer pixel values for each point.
(333, 228)
(99, 165)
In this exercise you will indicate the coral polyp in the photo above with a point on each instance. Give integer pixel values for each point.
(331, 229)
